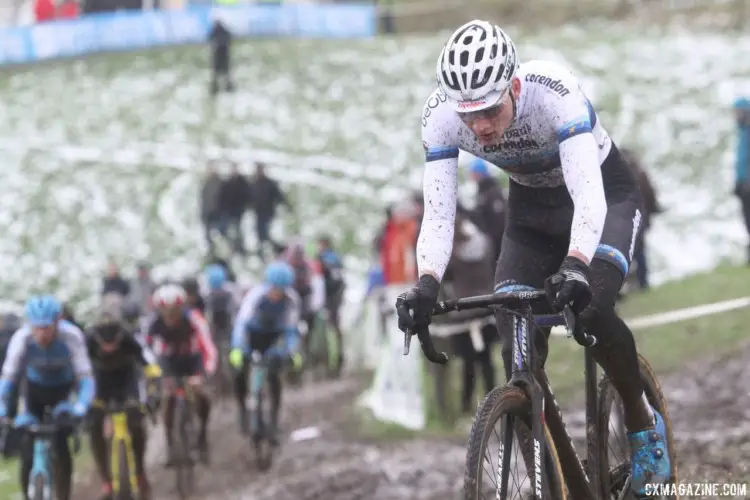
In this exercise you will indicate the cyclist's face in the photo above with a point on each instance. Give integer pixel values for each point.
(171, 315)
(489, 125)
(275, 294)
(44, 335)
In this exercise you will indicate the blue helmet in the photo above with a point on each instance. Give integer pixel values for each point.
(279, 274)
(42, 310)
(742, 103)
(479, 167)
(216, 276)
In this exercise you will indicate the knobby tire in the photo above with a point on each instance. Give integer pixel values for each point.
(261, 442)
(608, 396)
(183, 453)
(39, 488)
(500, 402)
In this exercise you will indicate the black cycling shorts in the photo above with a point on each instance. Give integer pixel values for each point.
(537, 234)
(262, 341)
(38, 397)
(182, 365)
(118, 386)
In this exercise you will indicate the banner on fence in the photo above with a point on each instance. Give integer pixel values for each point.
(132, 30)
(396, 394)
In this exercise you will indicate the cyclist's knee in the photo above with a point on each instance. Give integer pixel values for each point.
(606, 281)
(96, 422)
(135, 418)
(275, 365)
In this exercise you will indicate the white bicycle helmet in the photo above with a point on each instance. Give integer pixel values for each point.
(169, 296)
(476, 66)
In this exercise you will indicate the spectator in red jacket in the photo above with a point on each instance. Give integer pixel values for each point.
(44, 10)
(68, 10)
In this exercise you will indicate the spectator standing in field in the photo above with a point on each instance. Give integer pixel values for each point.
(267, 196)
(398, 247)
(114, 283)
(489, 209)
(742, 161)
(142, 288)
(651, 207)
(470, 334)
(211, 216)
(220, 39)
(236, 198)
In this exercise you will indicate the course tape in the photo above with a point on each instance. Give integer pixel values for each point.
(666, 318)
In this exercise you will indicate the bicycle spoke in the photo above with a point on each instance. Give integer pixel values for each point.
(517, 472)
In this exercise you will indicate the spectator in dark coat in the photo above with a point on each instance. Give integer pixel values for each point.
(489, 209)
(211, 215)
(114, 283)
(472, 333)
(142, 288)
(650, 208)
(742, 160)
(267, 196)
(221, 40)
(236, 197)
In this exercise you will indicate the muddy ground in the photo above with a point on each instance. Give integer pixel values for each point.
(709, 405)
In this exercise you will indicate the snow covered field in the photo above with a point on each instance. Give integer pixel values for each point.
(102, 157)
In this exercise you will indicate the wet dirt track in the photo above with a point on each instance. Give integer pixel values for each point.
(709, 406)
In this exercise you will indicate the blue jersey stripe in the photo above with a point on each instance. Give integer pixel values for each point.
(581, 125)
(441, 153)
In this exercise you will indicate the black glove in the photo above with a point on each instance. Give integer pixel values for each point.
(569, 286)
(414, 308)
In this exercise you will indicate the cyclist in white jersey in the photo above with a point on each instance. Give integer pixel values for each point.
(573, 207)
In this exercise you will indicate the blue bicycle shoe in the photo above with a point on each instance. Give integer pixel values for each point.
(649, 457)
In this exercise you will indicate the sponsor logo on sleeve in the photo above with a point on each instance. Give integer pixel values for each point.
(432, 103)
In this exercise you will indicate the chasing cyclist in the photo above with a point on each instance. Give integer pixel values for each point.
(310, 287)
(267, 322)
(221, 302)
(182, 341)
(332, 268)
(117, 357)
(50, 353)
(574, 209)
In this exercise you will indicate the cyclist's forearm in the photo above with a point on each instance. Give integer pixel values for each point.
(86, 391)
(6, 388)
(292, 338)
(239, 337)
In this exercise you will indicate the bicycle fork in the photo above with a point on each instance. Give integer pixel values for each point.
(257, 379)
(578, 478)
(121, 436)
(40, 467)
(523, 350)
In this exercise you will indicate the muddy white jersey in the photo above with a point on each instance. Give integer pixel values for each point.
(556, 139)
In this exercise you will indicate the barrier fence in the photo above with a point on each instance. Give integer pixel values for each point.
(133, 30)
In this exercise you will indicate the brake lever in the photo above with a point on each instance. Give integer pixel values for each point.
(575, 329)
(407, 341)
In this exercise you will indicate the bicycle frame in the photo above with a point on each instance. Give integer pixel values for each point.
(258, 371)
(531, 379)
(43, 456)
(121, 436)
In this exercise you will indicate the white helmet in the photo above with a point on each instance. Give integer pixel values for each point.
(476, 66)
(169, 296)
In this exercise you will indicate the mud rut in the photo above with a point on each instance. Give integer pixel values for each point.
(709, 405)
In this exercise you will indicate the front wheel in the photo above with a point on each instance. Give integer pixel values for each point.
(510, 407)
(39, 488)
(614, 451)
